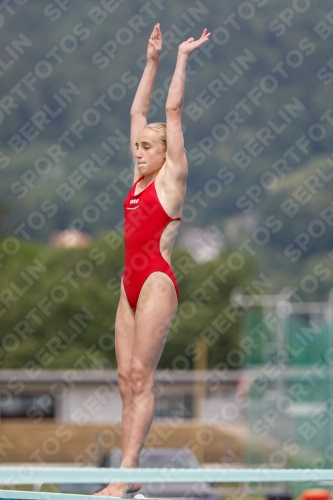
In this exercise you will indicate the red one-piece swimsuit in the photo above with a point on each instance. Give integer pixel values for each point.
(145, 221)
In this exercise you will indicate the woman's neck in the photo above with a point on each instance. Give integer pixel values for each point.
(148, 178)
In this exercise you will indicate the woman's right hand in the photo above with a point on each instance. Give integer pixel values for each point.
(155, 44)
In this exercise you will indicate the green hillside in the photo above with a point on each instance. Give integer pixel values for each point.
(258, 121)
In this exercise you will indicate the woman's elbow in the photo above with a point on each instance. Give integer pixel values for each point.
(173, 109)
(137, 113)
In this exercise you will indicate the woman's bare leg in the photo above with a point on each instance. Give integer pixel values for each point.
(125, 335)
(156, 309)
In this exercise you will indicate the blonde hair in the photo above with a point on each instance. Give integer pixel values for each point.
(160, 129)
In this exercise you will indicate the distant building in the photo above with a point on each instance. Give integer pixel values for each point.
(202, 244)
(92, 397)
(70, 238)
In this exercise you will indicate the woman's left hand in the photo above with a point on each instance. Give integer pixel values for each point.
(190, 45)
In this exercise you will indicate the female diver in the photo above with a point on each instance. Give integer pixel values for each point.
(149, 292)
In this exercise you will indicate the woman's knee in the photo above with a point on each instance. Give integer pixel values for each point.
(142, 380)
(124, 384)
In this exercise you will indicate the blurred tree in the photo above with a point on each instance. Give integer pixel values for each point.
(58, 307)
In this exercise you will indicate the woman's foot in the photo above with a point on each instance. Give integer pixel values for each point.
(119, 489)
(113, 490)
(133, 488)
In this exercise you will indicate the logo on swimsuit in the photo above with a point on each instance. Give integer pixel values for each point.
(133, 202)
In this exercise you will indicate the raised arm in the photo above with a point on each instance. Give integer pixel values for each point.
(142, 99)
(176, 162)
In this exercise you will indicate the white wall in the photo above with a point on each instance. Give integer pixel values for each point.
(90, 404)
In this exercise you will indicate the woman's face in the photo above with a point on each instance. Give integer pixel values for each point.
(150, 152)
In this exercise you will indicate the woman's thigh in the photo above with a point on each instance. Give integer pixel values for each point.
(125, 334)
(156, 308)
